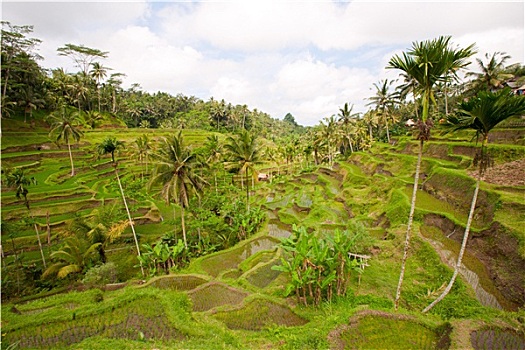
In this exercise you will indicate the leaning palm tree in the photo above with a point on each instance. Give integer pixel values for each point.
(481, 114)
(243, 155)
(109, 146)
(65, 125)
(19, 182)
(175, 172)
(427, 63)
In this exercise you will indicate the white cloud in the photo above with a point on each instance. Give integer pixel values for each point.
(312, 89)
(307, 58)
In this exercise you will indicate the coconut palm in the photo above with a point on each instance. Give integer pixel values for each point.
(113, 86)
(30, 100)
(175, 171)
(91, 118)
(428, 63)
(99, 72)
(346, 119)
(65, 125)
(143, 149)
(19, 182)
(214, 153)
(243, 155)
(481, 114)
(371, 119)
(109, 146)
(103, 226)
(492, 74)
(330, 132)
(75, 256)
(383, 101)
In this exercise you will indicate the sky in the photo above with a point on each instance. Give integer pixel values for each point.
(307, 58)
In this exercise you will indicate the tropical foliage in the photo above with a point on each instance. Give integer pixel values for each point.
(320, 268)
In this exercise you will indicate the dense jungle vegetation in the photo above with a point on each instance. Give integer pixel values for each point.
(136, 220)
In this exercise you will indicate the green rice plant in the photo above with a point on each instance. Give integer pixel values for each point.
(259, 313)
(497, 338)
(214, 294)
(374, 332)
(177, 282)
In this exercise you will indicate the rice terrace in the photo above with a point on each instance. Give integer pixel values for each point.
(138, 220)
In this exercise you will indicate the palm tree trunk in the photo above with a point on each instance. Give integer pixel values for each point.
(409, 225)
(247, 193)
(465, 238)
(98, 95)
(6, 78)
(129, 218)
(48, 231)
(38, 238)
(71, 159)
(461, 251)
(183, 226)
(446, 100)
(113, 101)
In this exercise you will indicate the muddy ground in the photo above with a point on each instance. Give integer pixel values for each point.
(507, 174)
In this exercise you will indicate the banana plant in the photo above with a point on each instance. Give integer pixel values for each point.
(314, 264)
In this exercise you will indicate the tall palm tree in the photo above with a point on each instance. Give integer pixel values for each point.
(175, 172)
(143, 149)
(99, 72)
(492, 74)
(383, 101)
(243, 155)
(30, 100)
(109, 146)
(331, 133)
(113, 85)
(18, 181)
(346, 119)
(370, 118)
(214, 153)
(65, 125)
(427, 62)
(481, 114)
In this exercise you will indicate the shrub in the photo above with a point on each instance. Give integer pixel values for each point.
(99, 276)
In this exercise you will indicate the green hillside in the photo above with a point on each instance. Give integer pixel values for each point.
(233, 298)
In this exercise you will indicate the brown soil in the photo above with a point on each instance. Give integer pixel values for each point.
(508, 174)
